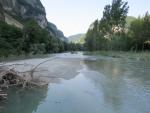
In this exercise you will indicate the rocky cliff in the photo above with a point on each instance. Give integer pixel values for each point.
(1, 13)
(19, 11)
(55, 31)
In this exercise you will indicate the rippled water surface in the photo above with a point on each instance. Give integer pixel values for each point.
(86, 84)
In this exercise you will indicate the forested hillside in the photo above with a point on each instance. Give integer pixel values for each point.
(24, 29)
(79, 38)
(31, 40)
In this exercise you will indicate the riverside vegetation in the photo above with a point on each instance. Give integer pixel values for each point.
(113, 33)
(26, 33)
(14, 41)
(27, 41)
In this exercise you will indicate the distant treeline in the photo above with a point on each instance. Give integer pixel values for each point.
(31, 40)
(112, 33)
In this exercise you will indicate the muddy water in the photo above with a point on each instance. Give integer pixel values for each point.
(85, 84)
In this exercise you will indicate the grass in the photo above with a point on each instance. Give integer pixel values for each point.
(121, 54)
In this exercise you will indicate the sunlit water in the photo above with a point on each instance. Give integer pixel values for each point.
(86, 84)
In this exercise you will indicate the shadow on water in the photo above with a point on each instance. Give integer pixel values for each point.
(23, 100)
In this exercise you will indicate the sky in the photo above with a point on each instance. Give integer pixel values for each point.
(75, 16)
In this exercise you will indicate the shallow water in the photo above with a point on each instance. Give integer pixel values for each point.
(86, 84)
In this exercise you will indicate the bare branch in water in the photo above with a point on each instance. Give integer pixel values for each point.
(9, 76)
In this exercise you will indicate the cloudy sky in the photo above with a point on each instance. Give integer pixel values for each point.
(75, 16)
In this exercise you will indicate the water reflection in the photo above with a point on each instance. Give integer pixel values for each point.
(106, 85)
(122, 84)
(24, 100)
(109, 81)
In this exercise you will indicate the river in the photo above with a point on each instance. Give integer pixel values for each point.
(85, 84)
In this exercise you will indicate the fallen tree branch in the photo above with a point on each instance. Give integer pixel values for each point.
(10, 77)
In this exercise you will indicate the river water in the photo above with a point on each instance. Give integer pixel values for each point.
(85, 84)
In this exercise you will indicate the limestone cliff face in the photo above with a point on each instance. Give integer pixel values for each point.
(28, 9)
(1, 13)
(54, 30)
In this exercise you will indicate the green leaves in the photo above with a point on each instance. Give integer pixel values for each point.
(38, 40)
(10, 39)
(115, 15)
(106, 33)
(140, 29)
(31, 40)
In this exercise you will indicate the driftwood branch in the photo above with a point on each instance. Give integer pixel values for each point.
(11, 77)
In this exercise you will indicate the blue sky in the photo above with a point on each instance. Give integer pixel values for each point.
(75, 16)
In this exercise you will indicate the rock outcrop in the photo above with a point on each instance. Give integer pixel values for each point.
(1, 14)
(26, 9)
(55, 31)
(23, 10)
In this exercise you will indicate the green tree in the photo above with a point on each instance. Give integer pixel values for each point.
(10, 40)
(107, 33)
(35, 37)
(140, 29)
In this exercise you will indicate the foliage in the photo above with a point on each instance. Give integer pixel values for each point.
(107, 32)
(140, 32)
(10, 40)
(35, 38)
(75, 47)
(116, 31)
(31, 40)
(38, 40)
(129, 20)
(79, 38)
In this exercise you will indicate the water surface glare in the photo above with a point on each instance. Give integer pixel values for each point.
(86, 84)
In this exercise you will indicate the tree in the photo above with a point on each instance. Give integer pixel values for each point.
(119, 10)
(146, 31)
(10, 40)
(107, 33)
(140, 29)
(35, 38)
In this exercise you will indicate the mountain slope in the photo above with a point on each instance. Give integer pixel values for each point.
(78, 38)
(55, 31)
(20, 11)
